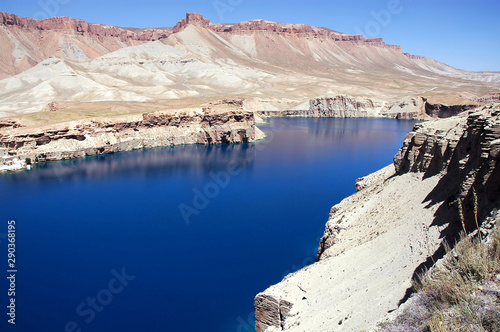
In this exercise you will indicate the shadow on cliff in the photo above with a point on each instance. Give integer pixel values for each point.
(472, 179)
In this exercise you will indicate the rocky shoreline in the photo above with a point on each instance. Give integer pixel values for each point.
(219, 122)
(395, 226)
(342, 106)
(225, 123)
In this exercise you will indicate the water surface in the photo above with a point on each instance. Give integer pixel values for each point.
(202, 229)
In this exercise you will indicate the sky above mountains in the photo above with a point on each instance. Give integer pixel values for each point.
(463, 34)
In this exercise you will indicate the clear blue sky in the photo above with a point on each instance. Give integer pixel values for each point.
(463, 34)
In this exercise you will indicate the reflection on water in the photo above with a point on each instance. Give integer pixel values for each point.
(291, 134)
(77, 220)
(186, 158)
(348, 130)
(302, 137)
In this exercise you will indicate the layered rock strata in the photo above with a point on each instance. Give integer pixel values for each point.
(280, 28)
(25, 42)
(332, 107)
(81, 27)
(100, 136)
(340, 107)
(410, 108)
(378, 239)
(467, 151)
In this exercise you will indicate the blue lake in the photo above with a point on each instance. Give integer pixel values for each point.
(179, 238)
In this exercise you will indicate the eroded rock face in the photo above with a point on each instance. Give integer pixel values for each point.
(101, 136)
(281, 28)
(340, 107)
(25, 42)
(271, 312)
(467, 149)
(378, 239)
(410, 108)
(191, 18)
(429, 148)
(81, 27)
(332, 107)
(446, 111)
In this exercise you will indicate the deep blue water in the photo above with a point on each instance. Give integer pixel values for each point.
(251, 213)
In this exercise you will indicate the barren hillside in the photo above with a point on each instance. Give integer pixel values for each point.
(273, 66)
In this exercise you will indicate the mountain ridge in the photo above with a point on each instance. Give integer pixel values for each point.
(272, 66)
(135, 36)
(30, 41)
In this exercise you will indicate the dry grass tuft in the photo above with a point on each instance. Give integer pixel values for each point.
(461, 293)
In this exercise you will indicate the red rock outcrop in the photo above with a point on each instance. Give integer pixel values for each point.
(24, 42)
(81, 27)
(282, 28)
(191, 18)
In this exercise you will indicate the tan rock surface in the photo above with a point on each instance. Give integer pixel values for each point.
(255, 60)
(378, 239)
(223, 122)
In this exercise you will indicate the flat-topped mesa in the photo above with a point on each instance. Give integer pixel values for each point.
(191, 18)
(305, 29)
(281, 28)
(81, 27)
(415, 57)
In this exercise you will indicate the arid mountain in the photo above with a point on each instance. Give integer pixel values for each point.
(273, 66)
(25, 41)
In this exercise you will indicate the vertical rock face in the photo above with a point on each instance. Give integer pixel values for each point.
(101, 136)
(468, 149)
(271, 312)
(378, 239)
(341, 107)
(410, 108)
(429, 149)
(191, 18)
(445, 111)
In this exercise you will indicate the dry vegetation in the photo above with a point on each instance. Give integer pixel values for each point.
(461, 293)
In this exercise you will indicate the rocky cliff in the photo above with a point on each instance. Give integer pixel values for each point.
(81, 27)
(210, 125)
(26, 41)
(194, 19)
(332, 107)
(302, 30)
(253, 60)
(377, 240)
(468, 152)
(409, 108)
(341, 107)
